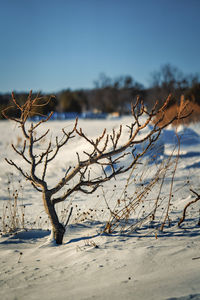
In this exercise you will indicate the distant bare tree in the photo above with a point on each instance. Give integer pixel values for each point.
(106, 150)
(169, 79)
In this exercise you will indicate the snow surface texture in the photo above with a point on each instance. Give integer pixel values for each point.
(144, 264)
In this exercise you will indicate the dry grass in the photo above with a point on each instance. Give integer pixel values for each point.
(170, 112)
(12, 217)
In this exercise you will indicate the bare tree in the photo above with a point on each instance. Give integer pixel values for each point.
(106, 150)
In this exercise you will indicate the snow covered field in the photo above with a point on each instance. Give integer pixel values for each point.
(143, 264)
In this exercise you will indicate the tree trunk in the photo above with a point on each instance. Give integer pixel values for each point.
(58, 233)
(57, 228)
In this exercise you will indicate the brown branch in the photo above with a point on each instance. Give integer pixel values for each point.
(12, 163)
(70, 213)
(10, 117)
(42, 121)
(63, 141)
(21, 153)
(187, 205)
(35, 186)
(41, 137)
(46, 161)
(35, 178)
(15, 102)
(93, 184)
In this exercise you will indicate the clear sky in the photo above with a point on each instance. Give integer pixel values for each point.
(49, 45)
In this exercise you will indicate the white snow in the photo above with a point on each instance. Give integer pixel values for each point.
(144, 264)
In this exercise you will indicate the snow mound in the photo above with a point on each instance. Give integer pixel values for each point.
(188, 137)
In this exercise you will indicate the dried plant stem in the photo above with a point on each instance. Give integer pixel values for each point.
(172, 183)
(187, 206)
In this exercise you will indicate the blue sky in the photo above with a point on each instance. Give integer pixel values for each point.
(48, 45)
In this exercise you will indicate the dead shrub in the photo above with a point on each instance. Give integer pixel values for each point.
(188, 107)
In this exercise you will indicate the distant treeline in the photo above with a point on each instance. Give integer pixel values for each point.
(114, 95)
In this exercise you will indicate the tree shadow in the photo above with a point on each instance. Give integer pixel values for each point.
(83, 238)
(188, 297)
(24, 236)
